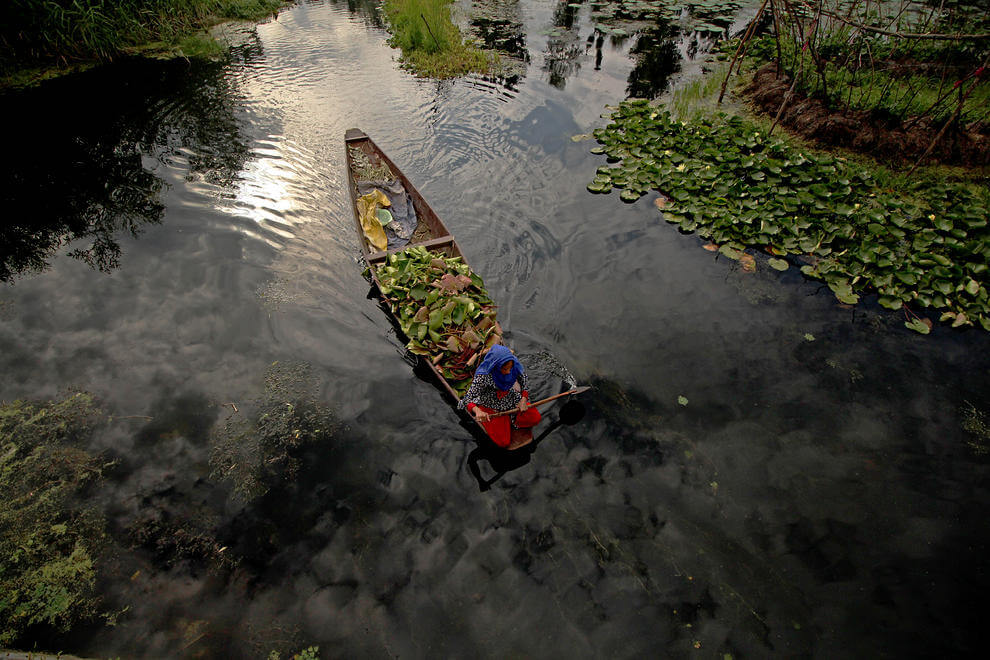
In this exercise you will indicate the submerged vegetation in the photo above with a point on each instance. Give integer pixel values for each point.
(63, 31)
(48, 543)
(260, 449)
(431, 44)
(924, 245)
(975, 424)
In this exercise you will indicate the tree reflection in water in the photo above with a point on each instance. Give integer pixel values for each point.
(78, 177)
(657, 59)
(656, 51)
(498, 24)
(564, 47)
(371, 10)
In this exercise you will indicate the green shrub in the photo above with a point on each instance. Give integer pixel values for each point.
(872, 68)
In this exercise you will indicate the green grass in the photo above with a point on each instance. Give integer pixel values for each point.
(889, 76)
(66, 31)
(199, 45)
(697, 98)
(886, 88)
(432, 46)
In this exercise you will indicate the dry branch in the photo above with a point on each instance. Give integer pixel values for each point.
(981, 36)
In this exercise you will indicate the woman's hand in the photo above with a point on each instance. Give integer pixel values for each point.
(480, 415)
(523, 404)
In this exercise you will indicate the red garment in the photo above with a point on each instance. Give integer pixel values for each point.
(499, 428)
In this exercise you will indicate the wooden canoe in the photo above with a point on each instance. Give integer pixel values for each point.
(430, 233)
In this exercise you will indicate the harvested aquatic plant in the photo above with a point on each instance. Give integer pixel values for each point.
(443, 308)
(365, 170)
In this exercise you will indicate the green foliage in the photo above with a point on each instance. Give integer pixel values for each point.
(924, 243)
(443, 308)
(199, 45)
(86, 29)
(697, 97)
(430, 42)
(891, 76)
(422, 25)
(309, 653)
(705, 16)
(47, 543)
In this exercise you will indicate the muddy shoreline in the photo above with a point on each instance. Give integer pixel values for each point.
(887, 139)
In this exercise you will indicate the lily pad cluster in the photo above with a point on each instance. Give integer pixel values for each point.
(711, 16)
(926, 244)
(443, 308)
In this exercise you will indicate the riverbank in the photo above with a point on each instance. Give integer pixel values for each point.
(48, 40)
(915, 240)
(889, 139)
(905, 86)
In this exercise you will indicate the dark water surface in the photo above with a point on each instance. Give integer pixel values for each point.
(816, 496)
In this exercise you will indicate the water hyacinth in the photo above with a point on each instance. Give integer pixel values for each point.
(927, 246)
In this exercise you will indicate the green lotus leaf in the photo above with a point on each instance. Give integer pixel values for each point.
(778, 264)
(942, 222)
(418, 292)
(960, 320)
(918, 325)
(843, 291)
(730, 252)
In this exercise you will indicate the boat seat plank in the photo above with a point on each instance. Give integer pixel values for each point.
(432, 243)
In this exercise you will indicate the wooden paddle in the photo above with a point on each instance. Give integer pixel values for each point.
(576, 390)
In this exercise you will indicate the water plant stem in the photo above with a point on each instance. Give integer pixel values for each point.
(953, 119)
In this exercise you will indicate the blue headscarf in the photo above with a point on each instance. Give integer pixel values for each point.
(492, 365)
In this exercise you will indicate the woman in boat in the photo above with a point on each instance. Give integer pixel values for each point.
(500, 384)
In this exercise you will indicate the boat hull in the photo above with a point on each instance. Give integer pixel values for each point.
(432, 234)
